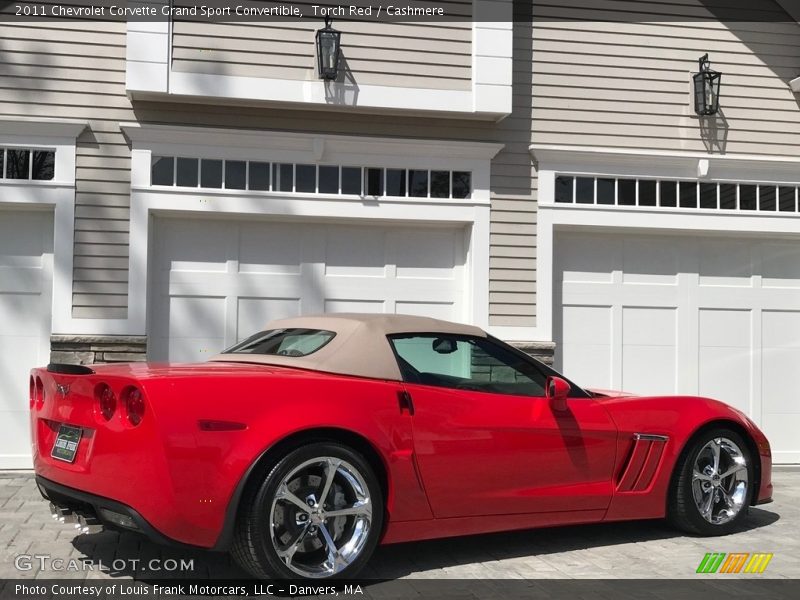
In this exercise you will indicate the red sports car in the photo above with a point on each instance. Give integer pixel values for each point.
(306, 445)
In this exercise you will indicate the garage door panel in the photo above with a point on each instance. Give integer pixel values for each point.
(25, 300)
(19, 356)
(282, 269)
(725, 374)
(585, 351)
(725, 356)
(781, 384)
(254, 313)
(16, 447)
(648, 351)
(437, 310)
(589, 258)
(270, 248)
(25, 237)
(355, 252)
(427, 254)
(197, 246)
(725, 328)
(780, 265)
(363, 306)
(188, 314)
(734, 333)
(780, 329)
(727, 263)
(648, 261)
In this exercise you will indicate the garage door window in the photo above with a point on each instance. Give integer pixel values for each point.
(182, 172)
(688, 194)
(27, 164)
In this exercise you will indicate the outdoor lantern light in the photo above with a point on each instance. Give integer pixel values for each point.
(328, 51)
(706, 88)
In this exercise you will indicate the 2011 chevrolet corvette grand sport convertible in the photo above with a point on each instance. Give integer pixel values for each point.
(303, 447)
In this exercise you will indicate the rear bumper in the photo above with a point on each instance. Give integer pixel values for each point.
(82, 508)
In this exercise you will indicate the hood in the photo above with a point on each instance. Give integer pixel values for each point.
(603, 393)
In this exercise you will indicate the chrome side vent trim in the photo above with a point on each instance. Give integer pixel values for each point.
(642, 462)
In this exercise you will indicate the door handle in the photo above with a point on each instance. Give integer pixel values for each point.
(405, 402)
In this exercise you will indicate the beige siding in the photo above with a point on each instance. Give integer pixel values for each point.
(426, 55)
(50, 69)
(627, 84)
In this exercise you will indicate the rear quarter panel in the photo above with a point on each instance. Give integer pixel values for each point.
(205, 467)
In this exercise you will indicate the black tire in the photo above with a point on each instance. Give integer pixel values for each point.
(253, 547)
(683, 511)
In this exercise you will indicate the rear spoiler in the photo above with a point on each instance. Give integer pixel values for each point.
(66, 369)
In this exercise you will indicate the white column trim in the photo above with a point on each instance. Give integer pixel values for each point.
(148, 51)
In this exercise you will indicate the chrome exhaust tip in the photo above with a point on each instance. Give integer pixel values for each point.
(82, 522)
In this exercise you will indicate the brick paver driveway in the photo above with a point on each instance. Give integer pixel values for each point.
(643, 549)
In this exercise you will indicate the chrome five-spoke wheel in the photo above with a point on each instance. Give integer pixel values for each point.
(317, 513)
(713, 483)
(321, 517)
(720, 480)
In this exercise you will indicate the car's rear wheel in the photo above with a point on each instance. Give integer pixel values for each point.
(713, 484)
(317, 514)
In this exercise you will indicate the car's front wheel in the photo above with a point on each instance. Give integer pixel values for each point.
(317, 514)
(713, 484)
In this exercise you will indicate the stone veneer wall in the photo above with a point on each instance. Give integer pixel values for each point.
(543, 351)
(89, 349)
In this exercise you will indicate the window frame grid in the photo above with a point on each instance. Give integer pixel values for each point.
(761, 193)
(275, 178)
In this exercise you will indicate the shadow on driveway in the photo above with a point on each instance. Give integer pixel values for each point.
(130, 555)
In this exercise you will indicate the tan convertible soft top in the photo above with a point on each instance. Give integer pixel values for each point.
(360, 346)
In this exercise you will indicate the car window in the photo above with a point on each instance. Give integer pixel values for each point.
(465, 362)
(283, 342)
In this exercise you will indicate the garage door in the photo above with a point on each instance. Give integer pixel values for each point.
(26, 256)
(216, 282)
(718, 317)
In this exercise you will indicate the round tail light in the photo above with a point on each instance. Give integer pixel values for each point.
(32, 392)
(39, 391)
(106, 401)
(134, 405)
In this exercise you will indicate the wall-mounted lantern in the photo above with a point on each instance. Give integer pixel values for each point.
(328, 41)
(706, 88)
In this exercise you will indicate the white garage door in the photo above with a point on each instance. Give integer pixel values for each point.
(718, 317)
(26, 258)
(217, 282)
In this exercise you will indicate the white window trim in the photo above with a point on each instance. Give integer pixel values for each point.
(57, 194)
(615, 162)
(149, 73)
(147, 201)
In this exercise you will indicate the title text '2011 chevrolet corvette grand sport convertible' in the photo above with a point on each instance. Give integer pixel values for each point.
(306, 445)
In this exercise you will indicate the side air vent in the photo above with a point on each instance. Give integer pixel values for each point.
(642, 462)
(65, 369)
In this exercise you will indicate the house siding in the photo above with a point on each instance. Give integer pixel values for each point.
(606, 76)
(86, 80)
(421, 55)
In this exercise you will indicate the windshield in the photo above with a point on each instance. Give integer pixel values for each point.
(283, 342)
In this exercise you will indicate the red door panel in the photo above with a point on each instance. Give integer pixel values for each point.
(482, 453)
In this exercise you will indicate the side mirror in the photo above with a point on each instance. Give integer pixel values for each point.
(557, 391)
